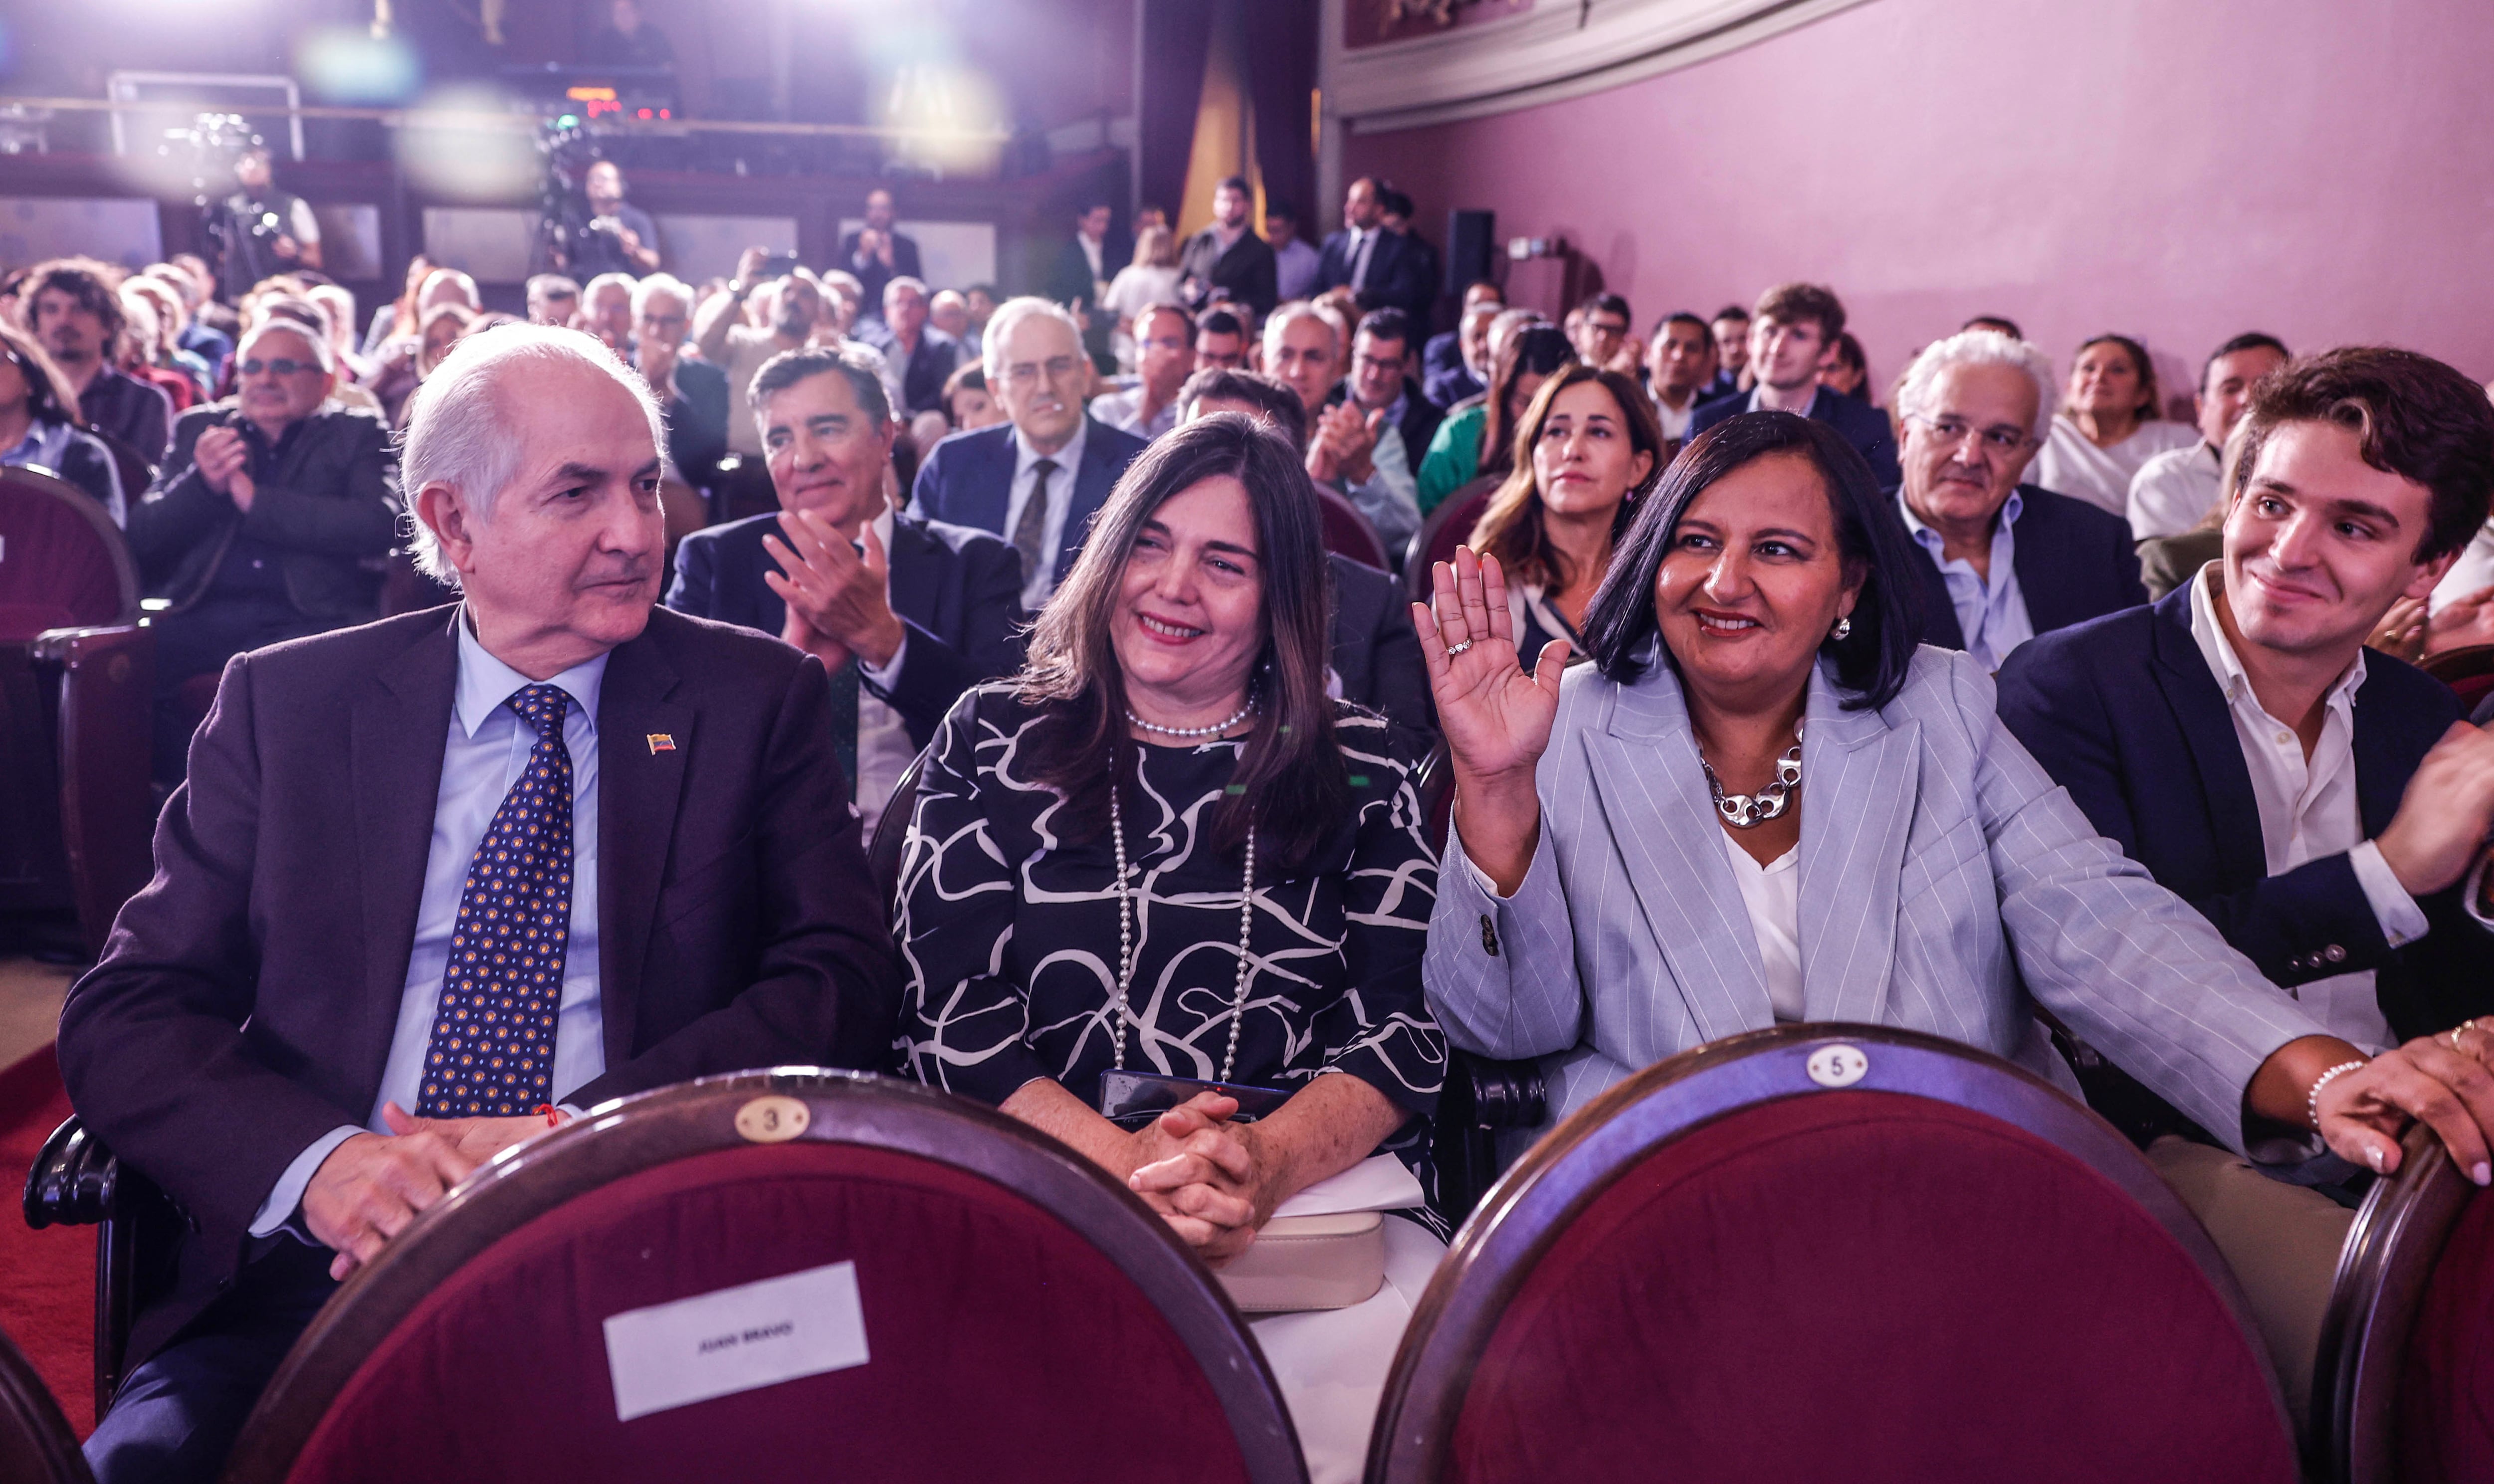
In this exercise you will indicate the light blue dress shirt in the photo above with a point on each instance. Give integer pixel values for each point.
(1993, 615)
(487, 747)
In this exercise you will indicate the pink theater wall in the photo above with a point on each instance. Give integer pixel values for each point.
(2176, 170)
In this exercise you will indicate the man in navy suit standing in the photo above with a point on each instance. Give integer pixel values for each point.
(1036, 478)
(2005, 560)
(1788, 337)
(1381, 268)
(907, 614)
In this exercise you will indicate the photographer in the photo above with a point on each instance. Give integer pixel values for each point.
(266, 229)
(621, 238)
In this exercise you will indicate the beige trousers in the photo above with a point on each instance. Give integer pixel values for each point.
(2281, 1240)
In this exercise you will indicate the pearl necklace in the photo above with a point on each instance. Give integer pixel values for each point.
(1748, 812)
(1126, 937)
(1214, 729)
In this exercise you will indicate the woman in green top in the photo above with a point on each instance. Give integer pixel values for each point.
(1473, 439)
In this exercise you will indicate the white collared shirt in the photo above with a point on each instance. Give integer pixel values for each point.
(884, 750)
(1673, 420)
(1041, 580)
(2308, 809)
(1991, 611)
(2173, 490)
(483, 754)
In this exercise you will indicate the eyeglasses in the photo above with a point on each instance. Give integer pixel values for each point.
(1058, 367)
(2001, 438)
(282, 366)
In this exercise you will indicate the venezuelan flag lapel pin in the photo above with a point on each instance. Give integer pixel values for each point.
(661, 742)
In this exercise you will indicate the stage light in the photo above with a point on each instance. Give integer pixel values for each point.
(347, 64)
(450, 146)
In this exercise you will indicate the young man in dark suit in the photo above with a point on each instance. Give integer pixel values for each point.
(2003, 560)
(1036, 478)
(283, 1032)
(1381, 266)
(1788, 336)
(2322, 804)
(906, 614)
(1227, 261)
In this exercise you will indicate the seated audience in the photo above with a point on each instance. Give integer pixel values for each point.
(1167, 779)
(2321, 805)
(606, 311)
(137, 351)
(1349, 449)
(1602, 336)
(1376, 655)
(921, 356)
(38, 424)
(1677, 369)
(2111, 422)
(72, 310)
(1164, 357)
(314, 317)
(355, 797)
(1731, 329)
(950, 311)
(203, 340)
(1586, 450)
(268, 523)
(2175, 490)
(691, 392)
(1707, 832)
(399, 319)
(553, 299)
(1151, 278)
(1380, 380)
(739, 349)
(1040, 478)
(1479, 442)
(1220, 339)
(1295, 263)
(194, 379)
(340, 306)
(967, 404)
(2001, 562)
(2166, 562)
(1791, 333)
(1465, 370)
(906, 614)
(1846, 370)
(1226, 262)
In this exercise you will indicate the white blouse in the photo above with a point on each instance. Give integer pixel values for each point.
(1773, 894)
(2074, 465)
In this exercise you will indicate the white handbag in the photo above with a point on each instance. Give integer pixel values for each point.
(1325, 1248)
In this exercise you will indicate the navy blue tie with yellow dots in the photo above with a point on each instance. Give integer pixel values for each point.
(492, 1051)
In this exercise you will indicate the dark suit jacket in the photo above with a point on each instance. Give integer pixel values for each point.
(1859, 423)
(697, 418)
(2123, 713)
(874, 275)
(1246, 274)
(968, 481)
(245, 1004)
(330, 506)
(1418, 424)
(924, 371)
(957, 590)
(1444, 376)
(2074, 563)
(1376, 652)
(1399, 272)
(130, 409)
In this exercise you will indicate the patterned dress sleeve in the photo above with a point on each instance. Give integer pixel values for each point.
(965, 1016)
(1381, 1030)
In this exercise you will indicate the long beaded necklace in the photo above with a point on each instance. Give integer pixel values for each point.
(1126, 937)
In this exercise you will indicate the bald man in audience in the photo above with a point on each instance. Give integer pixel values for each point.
(285, 1031)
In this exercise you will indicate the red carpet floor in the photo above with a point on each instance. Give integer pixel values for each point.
(47, 1278)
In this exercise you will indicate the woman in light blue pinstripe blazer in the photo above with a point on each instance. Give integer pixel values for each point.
(1602, 905)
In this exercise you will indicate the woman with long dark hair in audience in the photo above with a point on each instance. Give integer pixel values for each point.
(1476, 441)
(1585, 449)
(38, 424)
(2110, 422)
(1763, 802)
(1161, 859)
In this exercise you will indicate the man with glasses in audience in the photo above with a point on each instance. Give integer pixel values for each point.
(1164, 358)
(2320, 803)
(1381, 382)
(692, 392)
(1220, 339)
(1789, 335)
(269, 521)
(2007, 560)
(1602, 334)
(1346, 442)
(1036, 478)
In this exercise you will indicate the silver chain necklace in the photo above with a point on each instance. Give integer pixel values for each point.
(1214, 729)
(1748, 812)
(1126, 937)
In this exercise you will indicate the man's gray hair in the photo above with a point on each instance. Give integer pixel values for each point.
(1008, 317)
(905, 281)
(274, 325)
(1978, 348)
(660, 286)
(623, 281)
(458, 427)
(1284, 316)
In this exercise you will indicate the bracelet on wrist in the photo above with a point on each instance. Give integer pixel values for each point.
(2312, 1099)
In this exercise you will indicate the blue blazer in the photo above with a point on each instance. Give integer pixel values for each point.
(1859, 423)
(697, 418)
(2123, 713)
(2074, 563)
(968, 481)
(957, 590)
(1946, 886)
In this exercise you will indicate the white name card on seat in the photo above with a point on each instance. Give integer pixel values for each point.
(715, 1344)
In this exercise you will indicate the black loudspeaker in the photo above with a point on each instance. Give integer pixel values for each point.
(1470, 236)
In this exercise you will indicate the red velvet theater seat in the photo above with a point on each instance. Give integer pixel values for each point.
(36, 1444)
(1025, 1318)
(62, 562)
(1933, 1267)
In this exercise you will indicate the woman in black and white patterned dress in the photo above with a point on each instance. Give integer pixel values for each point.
(1173, 721)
